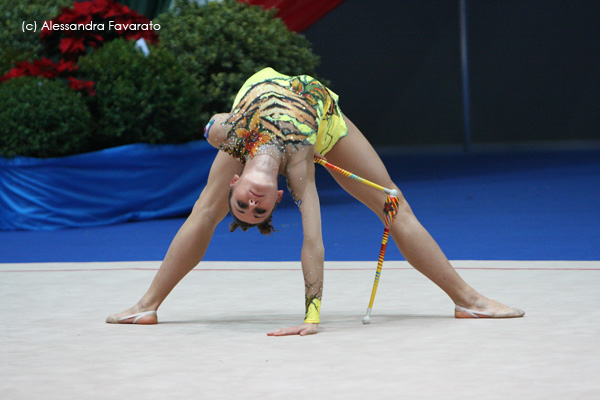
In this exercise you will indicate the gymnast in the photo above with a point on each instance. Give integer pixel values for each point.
(276, 126)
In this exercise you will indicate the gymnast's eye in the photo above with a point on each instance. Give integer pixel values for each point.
(260, 211)
(242, 205)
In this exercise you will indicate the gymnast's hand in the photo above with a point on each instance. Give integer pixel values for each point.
(302, 330)
(318, 155)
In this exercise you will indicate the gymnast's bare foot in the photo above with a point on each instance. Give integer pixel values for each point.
(486, 308)
(134, 315)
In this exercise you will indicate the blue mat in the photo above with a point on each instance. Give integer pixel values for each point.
(511, 206)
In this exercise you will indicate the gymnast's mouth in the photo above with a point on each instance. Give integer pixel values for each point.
(256, 195)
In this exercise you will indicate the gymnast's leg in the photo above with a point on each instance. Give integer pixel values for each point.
(190, 243)
(355, 154)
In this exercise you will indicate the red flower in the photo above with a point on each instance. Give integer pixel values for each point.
(46, 32)
(67, 16)
(101, 6)
(83, 7)
(27, 69)
(94, 40)
(44, 67)
(68, 66)
(85, 86)
(13, 73)
(72, 45)
(117, 10)
(84, 19)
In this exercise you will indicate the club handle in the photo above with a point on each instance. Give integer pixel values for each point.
(341, 171)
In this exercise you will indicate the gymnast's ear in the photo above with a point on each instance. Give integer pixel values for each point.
(279, 195)
(236, 178)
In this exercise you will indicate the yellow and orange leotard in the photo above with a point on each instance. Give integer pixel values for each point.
(276, 109)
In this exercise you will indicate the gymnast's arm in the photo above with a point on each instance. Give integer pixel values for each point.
(301, 178)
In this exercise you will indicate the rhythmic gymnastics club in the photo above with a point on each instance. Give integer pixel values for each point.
(390, 192)
(390, 210)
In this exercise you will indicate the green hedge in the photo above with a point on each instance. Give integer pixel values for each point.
(42, 118)
(204, 55)
(140, 99)
(16, 45)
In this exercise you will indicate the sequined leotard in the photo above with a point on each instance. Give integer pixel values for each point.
(273, 111)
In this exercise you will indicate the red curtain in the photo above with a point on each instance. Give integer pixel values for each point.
(298, 14)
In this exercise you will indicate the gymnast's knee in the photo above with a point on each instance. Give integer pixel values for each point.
(404, 212)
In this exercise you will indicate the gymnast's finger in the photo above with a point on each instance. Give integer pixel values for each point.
(284, 332)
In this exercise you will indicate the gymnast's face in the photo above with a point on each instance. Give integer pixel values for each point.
(252, 200)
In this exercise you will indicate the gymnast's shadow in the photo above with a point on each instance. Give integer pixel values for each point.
(239, 320)
(394, 318)
(351, 321)
(260, 323)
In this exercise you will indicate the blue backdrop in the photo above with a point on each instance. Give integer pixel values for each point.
(129, 183)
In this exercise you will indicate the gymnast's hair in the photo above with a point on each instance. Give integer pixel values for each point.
(264, 227)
